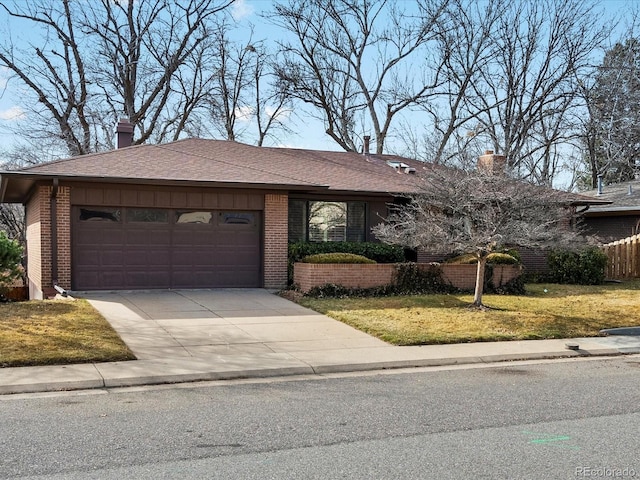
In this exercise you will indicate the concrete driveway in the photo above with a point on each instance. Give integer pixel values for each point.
(220, 322)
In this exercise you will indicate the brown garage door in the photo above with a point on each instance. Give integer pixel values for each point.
(133, 248)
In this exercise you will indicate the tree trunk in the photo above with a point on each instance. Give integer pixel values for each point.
(477, 297)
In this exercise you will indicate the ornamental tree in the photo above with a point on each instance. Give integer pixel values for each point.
(478, 213)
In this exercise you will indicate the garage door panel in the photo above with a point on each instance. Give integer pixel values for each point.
(152, 236)
(194, 258)
(147, 278)
(94, 237)
(110, 258)
(146, 253)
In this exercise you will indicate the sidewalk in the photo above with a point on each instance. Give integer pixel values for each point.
(188, 336)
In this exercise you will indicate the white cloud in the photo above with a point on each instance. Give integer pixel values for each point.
(241, 9)
(244, 114)
(13, 113)
(4, 75)
(282, 115)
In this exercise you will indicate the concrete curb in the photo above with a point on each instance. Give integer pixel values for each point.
(92, 376)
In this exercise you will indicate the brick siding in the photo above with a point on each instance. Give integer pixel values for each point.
(64, 237)
(309, 275)
(276, 231)
(34, 246)
(39, 257)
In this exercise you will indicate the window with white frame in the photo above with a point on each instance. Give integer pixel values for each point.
(327, 221)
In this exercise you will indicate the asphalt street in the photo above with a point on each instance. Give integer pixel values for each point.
(571, 418)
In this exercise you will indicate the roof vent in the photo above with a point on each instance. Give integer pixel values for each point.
(401, 167)
(599, 184)
(365, 147)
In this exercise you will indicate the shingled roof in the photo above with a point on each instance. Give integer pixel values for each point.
(226, 163)
(622, 197)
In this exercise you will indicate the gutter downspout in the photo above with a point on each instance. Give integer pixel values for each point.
(54, 232)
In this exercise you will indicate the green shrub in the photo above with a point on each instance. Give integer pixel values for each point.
(336, 258)
(10, 260)
(514, 286)
(379, 252)
(330, 290)
(412, 278)
(581, 268)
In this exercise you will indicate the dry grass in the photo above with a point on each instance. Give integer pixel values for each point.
(57, 332)
(547, 311)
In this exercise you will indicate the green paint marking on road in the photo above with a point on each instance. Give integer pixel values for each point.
(551, 440)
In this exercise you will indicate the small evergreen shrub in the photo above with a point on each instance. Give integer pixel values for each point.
(580, 268)
(336, 258)
(380, 252)
(330, 290)
(414, 279)
(515, 286)
(10, 260)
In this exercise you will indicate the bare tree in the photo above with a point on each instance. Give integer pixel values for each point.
(611, 129)
(54, 71)
(97, 61)
(479, 213)
(233, 90)
(464, 36)
(525, 93)
(353, 62)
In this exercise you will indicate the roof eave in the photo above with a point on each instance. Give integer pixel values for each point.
(23, 182)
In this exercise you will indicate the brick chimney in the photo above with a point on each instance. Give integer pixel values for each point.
(492, 163)
(124, 133)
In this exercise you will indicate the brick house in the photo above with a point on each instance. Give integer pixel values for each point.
(196, 213)
(193, 213)
(620, 217)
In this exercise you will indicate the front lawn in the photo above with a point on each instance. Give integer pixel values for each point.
(547, 311)
(57, 332)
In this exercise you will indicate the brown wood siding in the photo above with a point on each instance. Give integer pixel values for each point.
(165, 197)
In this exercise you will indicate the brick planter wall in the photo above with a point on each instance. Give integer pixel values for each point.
(464, 276)
(309, 275)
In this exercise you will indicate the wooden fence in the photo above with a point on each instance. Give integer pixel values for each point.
(624, 258)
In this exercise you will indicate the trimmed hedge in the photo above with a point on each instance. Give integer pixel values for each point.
(336, 258)
(586, 267)
(379, 252)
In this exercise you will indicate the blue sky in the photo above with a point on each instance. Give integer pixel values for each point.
(310, 132)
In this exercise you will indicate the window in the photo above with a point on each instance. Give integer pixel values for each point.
(147, 215)
(101, 215)
(321, 221)
(237, 218)
(193, 217)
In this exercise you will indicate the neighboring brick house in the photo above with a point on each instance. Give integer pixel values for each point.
(195, 213)
(620, 218)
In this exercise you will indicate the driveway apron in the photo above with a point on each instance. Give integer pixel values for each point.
(220, 322)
